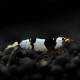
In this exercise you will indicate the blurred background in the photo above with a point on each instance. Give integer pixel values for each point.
(42, 18)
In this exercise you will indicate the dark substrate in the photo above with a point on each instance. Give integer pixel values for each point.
(32, 65)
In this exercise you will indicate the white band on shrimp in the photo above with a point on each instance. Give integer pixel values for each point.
(25, 44)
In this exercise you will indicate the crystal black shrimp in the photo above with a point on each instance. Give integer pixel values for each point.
(43, 45)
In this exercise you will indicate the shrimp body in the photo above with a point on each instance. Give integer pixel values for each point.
(38, 44)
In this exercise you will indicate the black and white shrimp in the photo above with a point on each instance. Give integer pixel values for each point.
(43, 45)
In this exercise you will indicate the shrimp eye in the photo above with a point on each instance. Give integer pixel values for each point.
(63, 39)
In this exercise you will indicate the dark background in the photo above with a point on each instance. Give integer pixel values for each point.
(42, 18)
